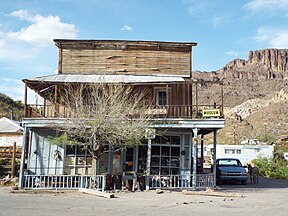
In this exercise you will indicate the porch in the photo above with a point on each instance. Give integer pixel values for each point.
(168, 96)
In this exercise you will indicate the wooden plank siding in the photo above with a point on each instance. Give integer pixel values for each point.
(80, 61)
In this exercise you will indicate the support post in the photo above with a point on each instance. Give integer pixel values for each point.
(202, 152)
(222, 101)
(197, 107)
(24, 143)
(149, 135)
(13, 160)
(214, 156)
(25, 101)
(148, 164)
(110, 159)
(194, 158)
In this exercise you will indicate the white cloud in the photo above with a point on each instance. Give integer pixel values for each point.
(257, 5)
(276, 38)
(195, 6)
(43, 30)
(216, 21)
(14, 88)
(26, 51)
(126, 28)
(35, 38)
(232, 53)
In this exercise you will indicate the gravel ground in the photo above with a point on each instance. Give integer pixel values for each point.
(269, 197)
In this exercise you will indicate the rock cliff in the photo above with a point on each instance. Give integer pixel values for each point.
(261, 64)
(255, 95)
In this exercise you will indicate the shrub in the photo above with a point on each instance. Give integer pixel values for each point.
(273, 168)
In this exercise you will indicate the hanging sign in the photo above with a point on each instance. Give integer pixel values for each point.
(211, 112)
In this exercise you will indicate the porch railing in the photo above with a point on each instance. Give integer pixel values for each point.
(178, 181)
(167, 111)
(64, 182)
(99, 182)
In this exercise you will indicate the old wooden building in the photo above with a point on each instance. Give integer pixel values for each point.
(164, 71)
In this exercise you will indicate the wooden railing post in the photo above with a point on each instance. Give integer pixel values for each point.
(13, 160)
(25, 100)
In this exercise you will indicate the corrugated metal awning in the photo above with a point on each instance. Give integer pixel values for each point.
(111, 78)
(46, 85)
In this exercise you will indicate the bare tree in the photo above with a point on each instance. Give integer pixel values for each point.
(102, 115)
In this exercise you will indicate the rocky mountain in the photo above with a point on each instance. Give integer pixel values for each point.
(255, 96)
(261, 64)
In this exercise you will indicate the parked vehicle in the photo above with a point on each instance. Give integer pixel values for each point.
(230, 169)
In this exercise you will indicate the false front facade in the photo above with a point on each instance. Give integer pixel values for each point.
(163, 70)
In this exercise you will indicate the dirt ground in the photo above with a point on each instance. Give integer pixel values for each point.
(269, 197)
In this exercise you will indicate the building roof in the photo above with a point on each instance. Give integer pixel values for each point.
(9, 126)
(124, 45)
(109, 78)
(46, 84)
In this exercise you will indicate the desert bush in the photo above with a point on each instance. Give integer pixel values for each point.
(276, 168)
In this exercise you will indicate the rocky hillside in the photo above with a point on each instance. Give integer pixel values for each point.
(10, 108)
(255, 96)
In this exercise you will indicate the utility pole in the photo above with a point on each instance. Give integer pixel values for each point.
(265, 131)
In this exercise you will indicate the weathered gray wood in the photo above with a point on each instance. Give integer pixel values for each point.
(124, 61)
(214, 193)
(96, 193)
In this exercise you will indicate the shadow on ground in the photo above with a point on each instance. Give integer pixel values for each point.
(263, 183)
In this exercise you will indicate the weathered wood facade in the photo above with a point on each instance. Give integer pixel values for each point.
(124, 57)
(164, 71)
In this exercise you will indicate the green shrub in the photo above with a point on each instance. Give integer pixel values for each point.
(273, 168)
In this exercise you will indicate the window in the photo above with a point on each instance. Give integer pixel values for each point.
(229, 151)
(161, 97)
(77, 161)
(165, 155)
(238, 151)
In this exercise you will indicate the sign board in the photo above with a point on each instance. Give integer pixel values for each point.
(211, 112)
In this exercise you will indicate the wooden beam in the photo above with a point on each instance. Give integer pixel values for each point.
(13, 160)
(60, 56)
(96, 193)
(25, 100)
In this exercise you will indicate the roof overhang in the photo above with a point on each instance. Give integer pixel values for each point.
(46, 84)
(124, 45)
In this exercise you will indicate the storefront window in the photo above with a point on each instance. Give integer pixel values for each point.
(165, 155)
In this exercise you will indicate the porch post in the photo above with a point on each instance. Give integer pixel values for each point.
(110, 159)
(25, 101)
(194, 157)
(24, 143)
(135, 159)
(214, 155)
(202, 152)
(148, 164)
(149, 135)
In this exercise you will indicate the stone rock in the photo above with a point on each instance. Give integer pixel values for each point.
(261, 64)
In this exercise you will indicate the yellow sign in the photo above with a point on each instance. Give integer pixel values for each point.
(211, 112)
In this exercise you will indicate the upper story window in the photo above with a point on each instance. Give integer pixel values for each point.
(161, 96)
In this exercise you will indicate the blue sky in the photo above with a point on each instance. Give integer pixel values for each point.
(223, 29)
